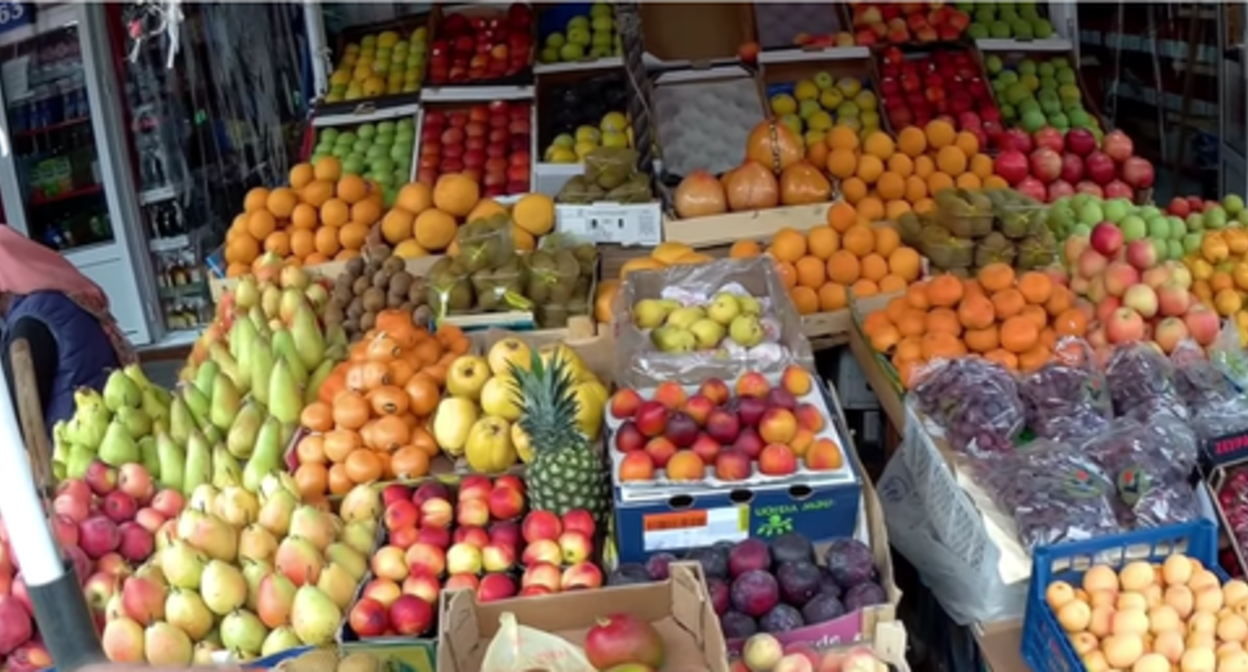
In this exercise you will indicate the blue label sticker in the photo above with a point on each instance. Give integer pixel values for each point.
(13, 15)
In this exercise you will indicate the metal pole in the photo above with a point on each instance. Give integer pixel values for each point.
(61, 610)
(314, 27)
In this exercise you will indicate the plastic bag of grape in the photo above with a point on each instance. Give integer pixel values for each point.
(1141, 382)
(975, 401)
(1149, 463)
(1229, 356)
(1066, 399)
(1215, 407)
(1056, 493)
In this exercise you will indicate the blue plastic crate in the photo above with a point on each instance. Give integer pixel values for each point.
(1045, 646)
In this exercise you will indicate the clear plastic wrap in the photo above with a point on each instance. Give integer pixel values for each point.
(1066, 398)
(448, 289)
(1149, 461)
(1228, 354)
(976, 402)
(1055, 491)
(610, 167)
(1141, 382)
(1214, 405)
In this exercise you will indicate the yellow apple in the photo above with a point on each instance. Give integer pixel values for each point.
(489, 449)
(467, 376)
(451, 423)
(500, 397)
(510, 350)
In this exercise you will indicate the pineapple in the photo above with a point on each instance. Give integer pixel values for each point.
(566, 471)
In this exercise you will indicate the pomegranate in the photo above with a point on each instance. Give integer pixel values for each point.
(622, 638)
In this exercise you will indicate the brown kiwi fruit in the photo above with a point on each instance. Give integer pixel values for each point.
(394, 300)
(334, 314)
(422, 316)
(355, 309)
(374, 299)
(381, 279)
(394, 265)
(416, 293)
(361, 285)
(400, 281)
(367, 320)
(355, 266)
(342, 294)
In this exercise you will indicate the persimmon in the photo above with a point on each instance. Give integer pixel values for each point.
(896, 308)
(909, 349)
(312, 479)
(1036, 287)
(1008, 302)
(976, 312)
(401, 371)
(1019, 334)
(943, 320)
(333, 385)
(913, 323)
(944, 291)
(389, 433)
(363, 466)
(339, 482)
(982, 340)
(916, 296)
(339, 443)
(350, 411)
(1036, 314)
(996, 276)
(311, 449)
(938, 345)
(423, 394)
(1003, 357)
(388, 400)
(384, 348)
(317, 416)
(409, 462)
(1071, 322)
(877, 321)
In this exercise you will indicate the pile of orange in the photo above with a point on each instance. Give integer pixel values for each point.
(371, 419)
(885, 178)
(323, 215)
(1013, 320)
(848, 254)
(426, 220)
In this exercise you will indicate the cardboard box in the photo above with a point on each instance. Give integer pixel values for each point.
(418, 267)
(725, 229)
(679, 608)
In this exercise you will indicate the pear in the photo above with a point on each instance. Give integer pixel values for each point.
(285, 400)
(337, 584)
(669, 338)
(281, 639)
(266, 456)
(180, 421)
(121, 392)
(353, 561)
(274, 597)
(237, 506)
(685, 317)
(208, 533)
(650, 313)
(136, 422)
(452, 421)
(292, 299)
(198, 462)
(205, 654)
(299, 560)
(293, 277)
(314, 525)
(500, 397)
(154, 406)
(226, 402)
(315, 617)
(90, 422)
(166, 645)
(317, 378)
(223, 587)
(206, 377)
(203, 498)
(171, 459)
(242, 338)
(198, 403)
(118, 447)
(225, 469)
(270, 298)
(261, 369)
(707, 333)
(276, 511)
(78, 461)
(746, 330)
(220, 353)
(363, 502)
(274, 481)
(243, 632)
(309, 341)
(135, 373)
(148, 454)
(246, 292)
(254, 572)
(256, 543)
(724, 308)
(182, 565)
(359, 536)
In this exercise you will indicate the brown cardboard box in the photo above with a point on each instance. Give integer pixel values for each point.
(596, 347)
(679, 609)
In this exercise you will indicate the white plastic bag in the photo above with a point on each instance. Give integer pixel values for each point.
(517, 647)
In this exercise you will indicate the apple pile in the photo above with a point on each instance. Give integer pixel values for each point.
(105, 524)
(491, 143)
(1202, 215)
(477, 538)
(1048, 164)
(943, 83)
(481, 48)
(717, 432)
(903, 22)
(1136, 297)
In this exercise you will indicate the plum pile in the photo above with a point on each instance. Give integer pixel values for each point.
(977, 403)
(774, 585)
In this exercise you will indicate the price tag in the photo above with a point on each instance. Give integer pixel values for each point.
(13, 15)
(613, 223)
(1227, 449)
(695, 528)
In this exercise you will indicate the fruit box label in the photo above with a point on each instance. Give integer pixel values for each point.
(1227, 449)
(688, 529)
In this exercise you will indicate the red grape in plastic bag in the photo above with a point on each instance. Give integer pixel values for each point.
(1066, 398)
(1141, 382)
(976, 402)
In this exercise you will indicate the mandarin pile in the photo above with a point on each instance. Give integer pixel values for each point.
(821, 266)
(371, 420)
(884, 178)
(1011, 319)
(323, 215)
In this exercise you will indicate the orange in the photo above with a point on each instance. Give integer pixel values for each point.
(396, 226)
(414, 198)
(743, 249)
(353, 235)
(854, 189)
(944, 320)
(874, 268)
(817, 154)
(434, 229)
(891, 185)
(260, 224)
(940, 133)
(916, 295)
(843, 267)
(805, 299)
(864, 288)
(282, 202)
(365, 212)
(351, 188)
(788, 274)
(967, 142)
(841, 216)
(967, 181)
(1003, 357)
(941, 345)
(916, 189)
(885, 339)
(886, 240)
(938, 182)
(924, 166)
(788, 245)
(346, 255)
(304, 217)
(995, 182)
(913, 323)
(456, 194)
(842, 163)
(1036, 287)
(822, 241)
(256, 199)
(870, 209)
(363, 466)
(895, 209)
(300, 175)
(944, 291)
(302, 242)
(911, 141)
(982, 340)
(1036, 314)
(1008, 303)
(901, 164)
(859, 239)
(312, 479)
(832, 296)
(242, 250)
(810, 272)
(977, 312)
(981, 166)
(335, 212)
(327, 168)
(892, 283)
(317, 193)
(905, 262)
(879, 145)
(875, 322)
(326, 241)
(951, 160)
(842, 137)
(1071, 322)
(278, 243)
(996, 276)
(869, 168)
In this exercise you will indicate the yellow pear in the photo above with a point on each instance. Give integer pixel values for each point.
(520, 440)
(500, 397)
(509, 351)
(489, 449)
(591, 408)
(467, 375)
(451, 423)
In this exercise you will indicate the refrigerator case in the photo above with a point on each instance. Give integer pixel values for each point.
(66, 178)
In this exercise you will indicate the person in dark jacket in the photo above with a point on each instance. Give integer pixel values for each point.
(63, 315)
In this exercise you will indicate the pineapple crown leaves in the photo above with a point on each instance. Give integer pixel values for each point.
(543, 386)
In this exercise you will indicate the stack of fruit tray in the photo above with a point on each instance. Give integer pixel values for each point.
(717, 432)
(482, 45)
(404, 27)
(846, 90)
(917, 85)
(491, 141)
(1058, 95)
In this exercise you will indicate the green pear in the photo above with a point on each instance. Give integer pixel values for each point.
(708, 333)
(241, 439)
(724, 308)
(198, 403)
(226, 401)
(285, 400)
(206, 376)
(78, 460)
(198, 463)
(746, 330)
(669, 338)
(267, 455)
(649, 313)
(309, 341)
(225, 469)
(121, 392)
(314, 616)
(149, 455)
(136, 422)
(180, 421)
(317, 378)
(281, 639)
(118, 446)
(685, 317)
(154, 406)
(242, 631)
(261, 369)
(172, 461)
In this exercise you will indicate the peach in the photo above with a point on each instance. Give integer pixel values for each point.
(1142, 299)
(1169, 333)
(1141, 254)
(671, 395)
(1106, 307)
(580, 520)
(405, 537)
(796, 380)
(699, 408)
(716, 390)
(1074, 248)
(435, 536)
(534, 591)
(628, 438)
(463, 558)
(802, 441)
(753, 384)
(473, 512)
(474, 486)
(1173, 299)
(401, 514)
(369, 618)
(660, 450)
(1119, 277)
(777, 426)
(1091, 263)
(422, 585)
(685, 465)
(810, 417)
(430, 491)
(505, 503)
(494, 587)
(732, 465)
(1181, 275)
(1156, 276)
(426, 558)
(498, 557)
(384, 591)
(436, 511)
(777, 459)
(651, 418)
(542, 574)
(624, 403)
(471, 535)
(824, 455)
(461, 582)
(390, 562)
(1202, 324)
(541, 525)
(581, 575)
(1124, 326)
(706, 448)
(636, 467)
(1080, 285)
(1096, 291)
(542, 550)
(505, 532)
(794, 662)
(575, 546)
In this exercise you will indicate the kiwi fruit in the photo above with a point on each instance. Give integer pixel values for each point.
(334, 314)
(416, 293)
(355, 309)
(361, 285)
(342, 294)
(367, 320)
(381, 279)
(355, 267)
(400, 281)
(394, 265)
(422, 316)
(394, 300)
(374, 299)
